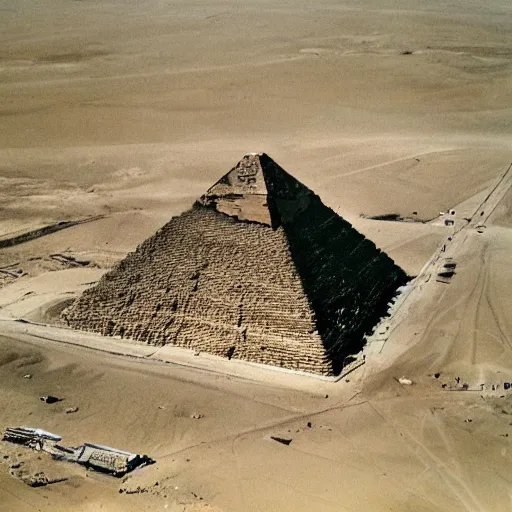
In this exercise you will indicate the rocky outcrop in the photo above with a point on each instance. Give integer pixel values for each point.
(259, 269)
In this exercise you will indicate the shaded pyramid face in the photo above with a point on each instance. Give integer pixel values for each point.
(258, 269)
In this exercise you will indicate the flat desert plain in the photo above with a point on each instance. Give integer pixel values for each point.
(115, 116)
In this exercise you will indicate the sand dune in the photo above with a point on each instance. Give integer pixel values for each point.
(128, 111)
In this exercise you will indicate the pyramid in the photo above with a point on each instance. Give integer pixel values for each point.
(258, 269)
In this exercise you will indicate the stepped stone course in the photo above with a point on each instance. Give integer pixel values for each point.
(258, 269)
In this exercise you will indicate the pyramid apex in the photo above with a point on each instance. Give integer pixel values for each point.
(246, 191)
(242, 192)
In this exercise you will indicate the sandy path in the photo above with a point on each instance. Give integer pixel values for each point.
(449, 248)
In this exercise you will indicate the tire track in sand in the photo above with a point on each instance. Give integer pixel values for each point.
(453, 481)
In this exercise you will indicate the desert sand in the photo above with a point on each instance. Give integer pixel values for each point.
(120, 114)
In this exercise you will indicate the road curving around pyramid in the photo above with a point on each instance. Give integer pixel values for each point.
(259, 269)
